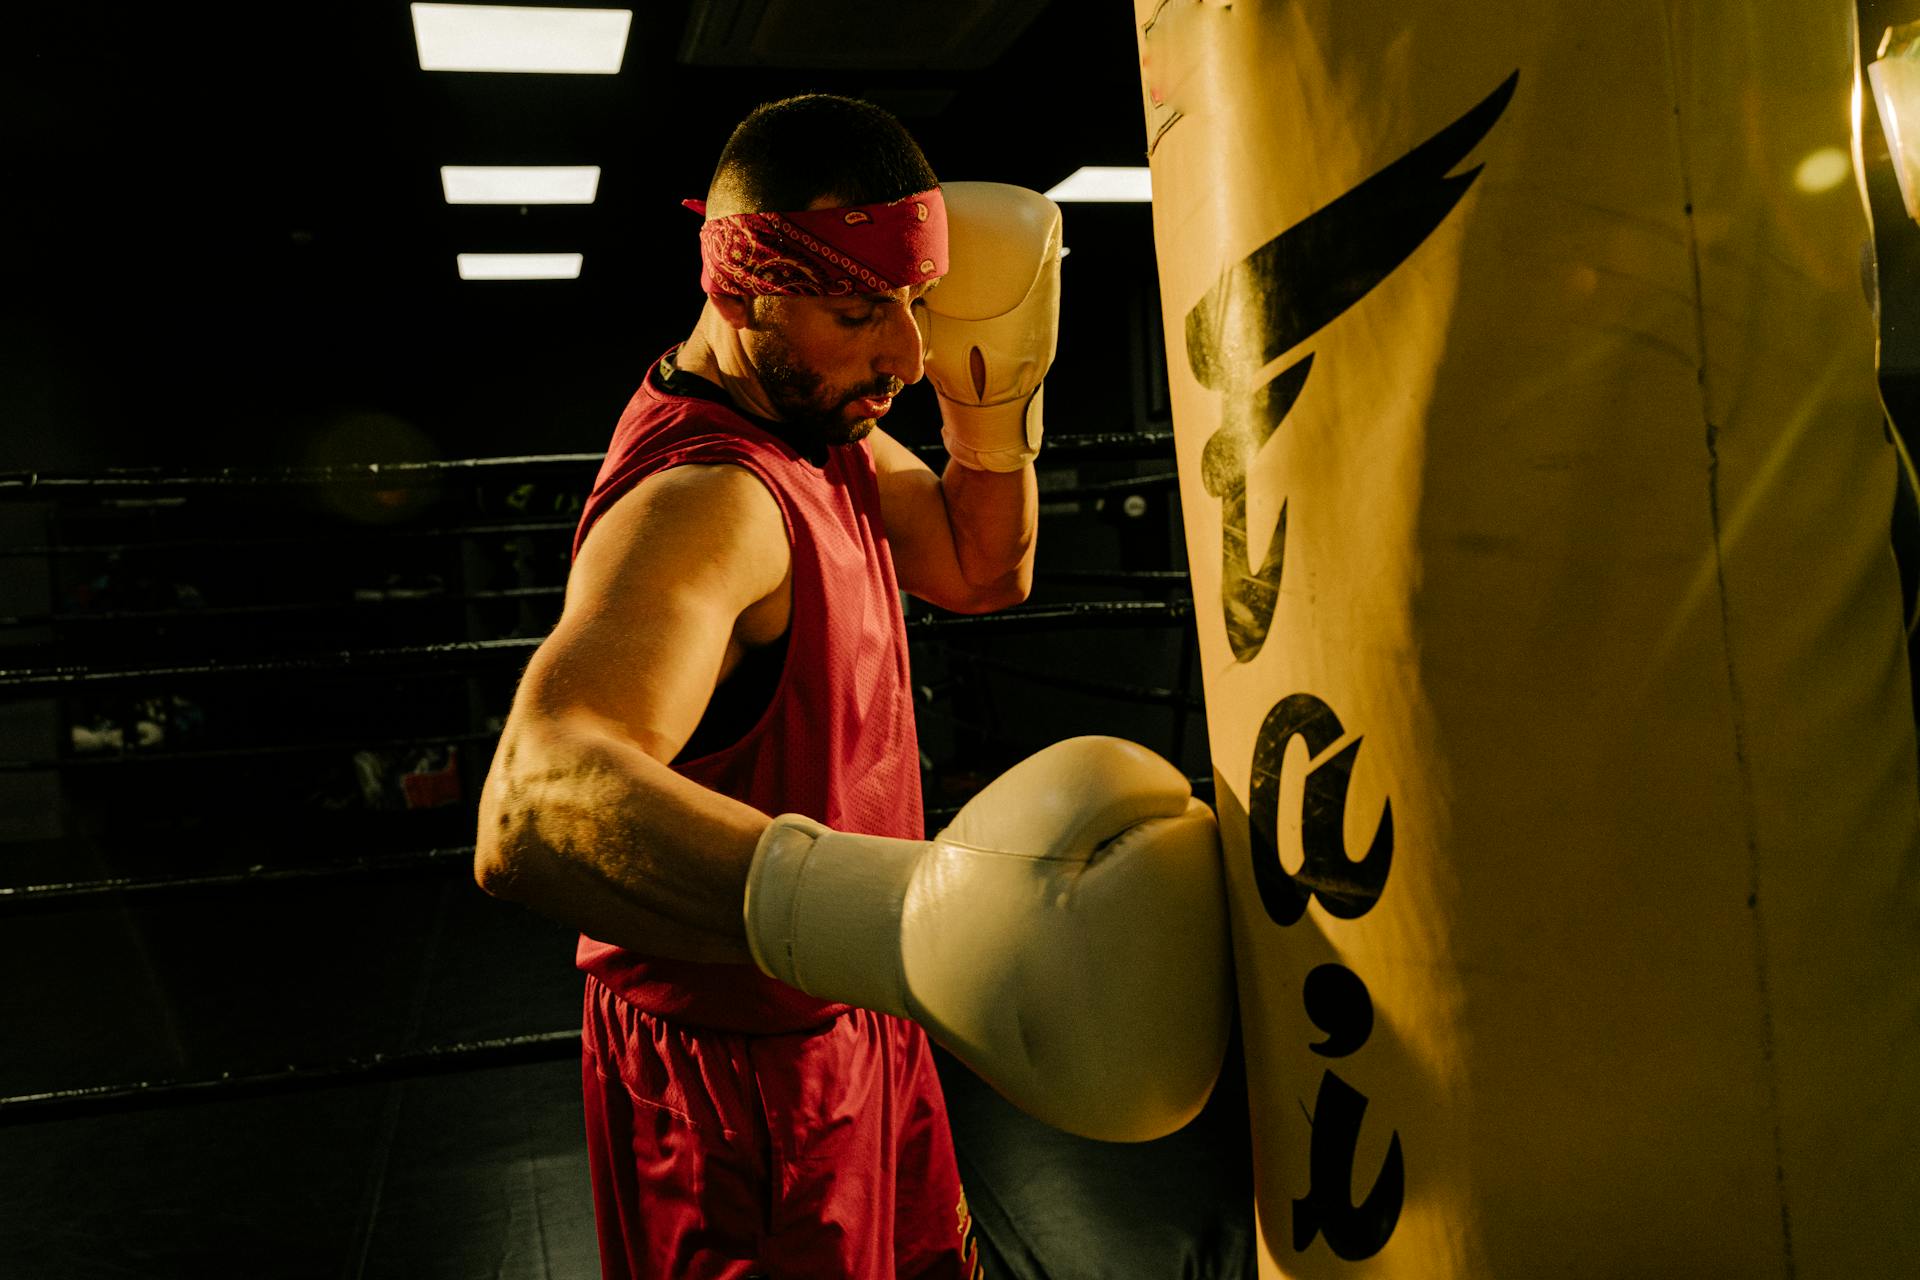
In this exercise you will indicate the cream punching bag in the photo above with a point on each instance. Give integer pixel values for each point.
(1537, 502)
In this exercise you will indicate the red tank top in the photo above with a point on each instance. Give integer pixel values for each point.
(836, 742)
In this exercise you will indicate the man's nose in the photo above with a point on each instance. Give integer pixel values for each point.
(902, 347)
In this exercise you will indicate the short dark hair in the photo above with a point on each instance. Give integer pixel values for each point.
(787, 154)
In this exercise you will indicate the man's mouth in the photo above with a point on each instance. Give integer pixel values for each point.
(874, 406)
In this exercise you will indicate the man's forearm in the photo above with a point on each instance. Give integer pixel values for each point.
(587, 828)
(994, 515)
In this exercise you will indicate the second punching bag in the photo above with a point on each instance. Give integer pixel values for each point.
(1537, 504)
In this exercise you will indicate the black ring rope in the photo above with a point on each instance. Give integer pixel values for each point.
(83, 892)
(283, 607)
(484, 529)
(1144, 579)
(148, 481)
(407, 1064)
(1124, 484)
(1094, 446)
(1070, 616)
(370, 533)
(466, 657)
(120, 757)
(117, 482)
(454, 657)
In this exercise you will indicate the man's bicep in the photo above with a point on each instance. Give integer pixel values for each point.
(650, 685)
(652, 604)
(914, 507)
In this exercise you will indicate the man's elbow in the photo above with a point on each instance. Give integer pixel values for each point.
(1012, 592)
(993, 596)
(502, 836)
(495, 868)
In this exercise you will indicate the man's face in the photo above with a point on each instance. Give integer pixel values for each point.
(831, 366)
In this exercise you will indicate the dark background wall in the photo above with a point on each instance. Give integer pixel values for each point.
(235, 234)
(227, 232)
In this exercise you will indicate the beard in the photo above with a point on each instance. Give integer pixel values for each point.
(814, 412)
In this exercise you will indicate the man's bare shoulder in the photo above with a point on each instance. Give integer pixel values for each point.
(713, 526)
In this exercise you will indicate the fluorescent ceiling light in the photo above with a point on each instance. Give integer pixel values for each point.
(486, 37)
(505, 184)
(1106, 183)
(519, 266)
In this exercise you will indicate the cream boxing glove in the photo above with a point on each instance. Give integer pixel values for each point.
(1066, 936)
(991, 323)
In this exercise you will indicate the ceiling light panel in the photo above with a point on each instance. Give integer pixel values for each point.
(519, 266)
(506, 184)
(485, 37)
(1105, 183)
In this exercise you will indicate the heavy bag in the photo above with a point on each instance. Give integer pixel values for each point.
(1537, 502)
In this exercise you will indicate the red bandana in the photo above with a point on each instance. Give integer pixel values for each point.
(815, 253)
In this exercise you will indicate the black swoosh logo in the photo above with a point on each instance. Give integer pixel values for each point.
(1283, 293)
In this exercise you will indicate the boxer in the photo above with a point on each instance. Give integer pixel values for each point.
(731, 648)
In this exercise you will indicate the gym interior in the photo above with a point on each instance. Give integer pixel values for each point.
(286, 504)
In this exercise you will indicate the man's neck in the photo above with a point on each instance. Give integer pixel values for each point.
(713, 351)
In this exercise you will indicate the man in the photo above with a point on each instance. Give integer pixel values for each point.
(732, 647)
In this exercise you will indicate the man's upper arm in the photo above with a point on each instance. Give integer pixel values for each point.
(656, 592)
(926, 534)
(914, 506)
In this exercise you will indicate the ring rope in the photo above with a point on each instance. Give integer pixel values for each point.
(119, 482)
(83, 892)
(409, 1064)
(465, 657)
(489, 529)
(1143, 579)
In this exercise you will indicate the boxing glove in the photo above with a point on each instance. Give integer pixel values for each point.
(990, 325)
(1066, 936)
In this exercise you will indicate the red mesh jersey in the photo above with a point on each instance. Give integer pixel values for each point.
(837, 741)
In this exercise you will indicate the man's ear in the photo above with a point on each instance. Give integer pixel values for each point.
(736, 311)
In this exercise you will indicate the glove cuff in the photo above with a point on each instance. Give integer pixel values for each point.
(823, 911)
(992, 437)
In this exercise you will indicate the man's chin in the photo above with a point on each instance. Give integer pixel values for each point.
(856, 431)
(831, 432)
(838, 430)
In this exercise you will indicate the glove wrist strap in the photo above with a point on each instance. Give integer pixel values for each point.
(992, 437)
(823, 911)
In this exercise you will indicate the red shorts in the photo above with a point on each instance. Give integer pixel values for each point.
(817, 1153)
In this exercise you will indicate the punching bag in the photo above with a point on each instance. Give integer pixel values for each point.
(1537, 500)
